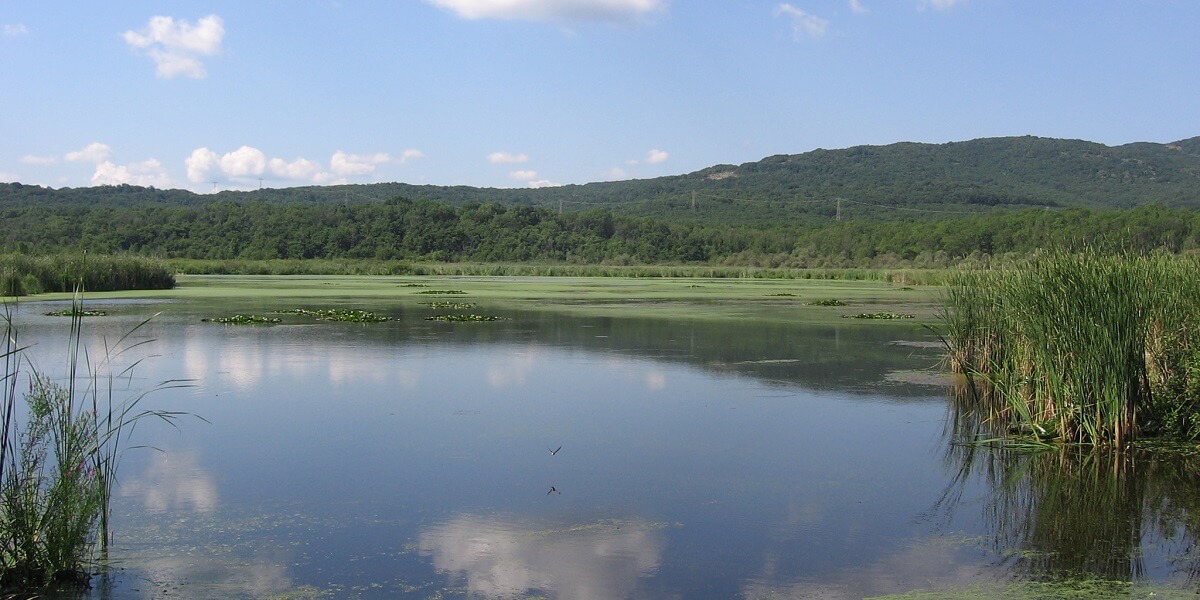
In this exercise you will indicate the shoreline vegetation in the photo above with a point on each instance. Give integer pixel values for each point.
(1082, 348)
(24, 275)
(59, 457)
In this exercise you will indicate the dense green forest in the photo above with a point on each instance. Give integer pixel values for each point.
(902, 204)
(425, 230)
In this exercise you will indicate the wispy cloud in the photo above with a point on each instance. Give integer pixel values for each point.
(176, 46)
(523, 175)
(507, 158)
(858, 7)
(94, 152)
(565, 11)
(30, 159)
(803, 24)
(939, 4)
(656, 156)
(14, 29)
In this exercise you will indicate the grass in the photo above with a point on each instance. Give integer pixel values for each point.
(1081, 348)
(22, 275)
(59, 458)
(405, 268)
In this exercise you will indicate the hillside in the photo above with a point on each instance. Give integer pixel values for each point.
(896, 181)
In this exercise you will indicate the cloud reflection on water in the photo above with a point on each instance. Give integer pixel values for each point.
(501, 559)
(173, 481)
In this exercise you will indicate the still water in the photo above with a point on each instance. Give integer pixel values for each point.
(582, 457)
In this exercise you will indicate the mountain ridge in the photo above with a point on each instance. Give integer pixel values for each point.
(879, 182)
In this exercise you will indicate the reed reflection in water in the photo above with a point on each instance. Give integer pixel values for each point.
(1073, 511)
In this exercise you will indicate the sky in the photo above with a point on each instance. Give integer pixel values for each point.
(236, 94)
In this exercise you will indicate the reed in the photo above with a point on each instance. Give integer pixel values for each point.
(1082, 348)
(22, 274)
(58, 460)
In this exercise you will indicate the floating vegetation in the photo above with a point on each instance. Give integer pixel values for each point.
(72, 312)
(349, 315)
(450, 305)
(463, 318)
(827, 302)
(442, 292)
(879, 315)
(416, 285)
(244, 320)
(784, 294)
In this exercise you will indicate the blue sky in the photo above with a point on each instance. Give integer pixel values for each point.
(517, 93)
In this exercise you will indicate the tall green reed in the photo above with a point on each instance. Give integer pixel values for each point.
(22, 274)
(1082, 347)
(59, 457)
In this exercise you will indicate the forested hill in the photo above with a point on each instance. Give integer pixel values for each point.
(897, 181)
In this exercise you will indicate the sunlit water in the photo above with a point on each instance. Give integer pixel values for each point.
(416, 459)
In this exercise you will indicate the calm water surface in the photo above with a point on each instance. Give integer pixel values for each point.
(697, 460)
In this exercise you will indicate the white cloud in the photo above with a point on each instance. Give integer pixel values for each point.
(858, 8)
(356, 164)
(616, 174)
(803, 23)
(408, 154)
(577, 11)
(9, 177)
(543, 183)
(176, 46)
(146, 173)
(30, 159)
(656, 156)
(200, 164)
(300, 169)
(15, 30)
(939, 4)
(507, 158)
(94, 152)
(244, 162)
(523, 175)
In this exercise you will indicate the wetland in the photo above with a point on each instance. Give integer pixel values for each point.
(600, 438)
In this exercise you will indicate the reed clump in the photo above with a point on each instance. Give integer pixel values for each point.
(58, 461)
(1083, 348)
(22, 274)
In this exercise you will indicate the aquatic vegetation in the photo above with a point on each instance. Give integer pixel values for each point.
(828, 302)
(784, 294)
(1081, 348)
(879, 315)
(463, 318)
(73, 312)
(58, 461)
(450, 305)
(442, 292)
(350, 315)
(244, 320)
(22, 275)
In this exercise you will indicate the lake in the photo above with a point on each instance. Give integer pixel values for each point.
(563, 455)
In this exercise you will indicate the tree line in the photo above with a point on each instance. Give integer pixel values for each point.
(492, 232)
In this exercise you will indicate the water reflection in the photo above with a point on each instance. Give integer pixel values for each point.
(1078, 512)
(500, 559)
(173, 481)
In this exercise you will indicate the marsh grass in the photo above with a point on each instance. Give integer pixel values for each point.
(59, 457)
(1080, 348)
(22, 275)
